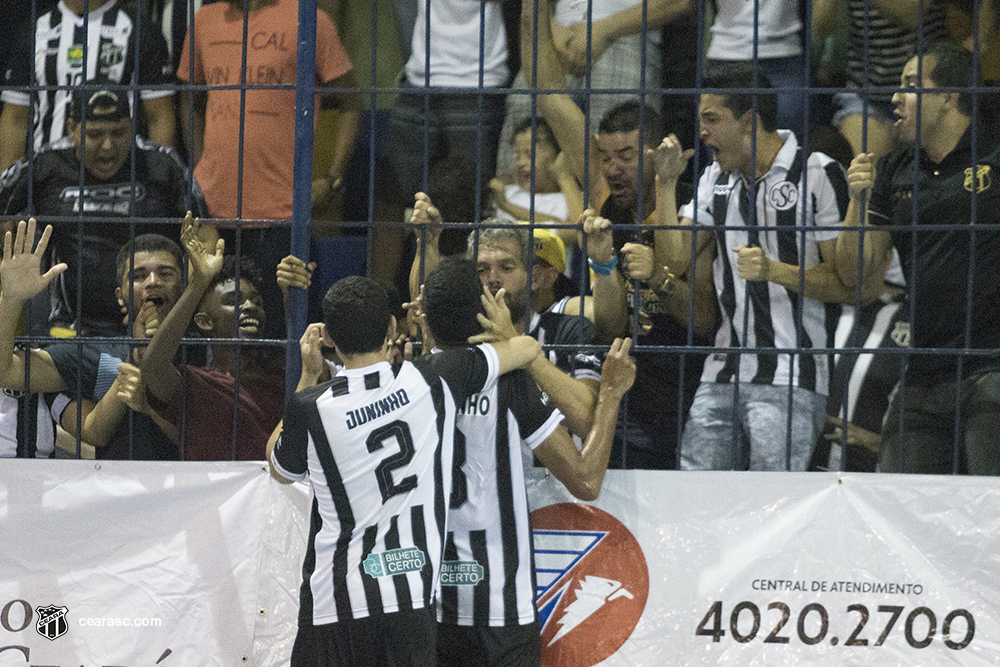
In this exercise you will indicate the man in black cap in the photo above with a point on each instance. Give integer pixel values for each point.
(107, 195)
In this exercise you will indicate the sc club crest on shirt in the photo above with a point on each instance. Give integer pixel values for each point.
(783, 195)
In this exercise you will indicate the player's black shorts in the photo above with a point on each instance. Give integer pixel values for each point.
(478, 646)
(404, 638)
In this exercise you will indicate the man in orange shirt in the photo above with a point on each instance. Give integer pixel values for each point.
(258, 188)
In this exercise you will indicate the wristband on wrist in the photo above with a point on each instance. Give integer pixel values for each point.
(604, 269)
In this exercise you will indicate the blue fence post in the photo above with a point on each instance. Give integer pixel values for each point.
(305, 109)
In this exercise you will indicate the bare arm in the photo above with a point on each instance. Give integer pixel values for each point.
(559, 110)
(570, 189)
(312, 367)
(581, 305)
(160, 114)
(426, 221)
(819, 282)
(157, 367)
(74, 409)
(610, 302)
(877, 242)
(576, 399)
(20, 280)
(582, 472)
(291, 272)
(13, 133)
(99, 422)
(626, 22)
(517, 352)
(349, 104)
(672, 246)
(271, 442)
(498, 331)
(313, 364)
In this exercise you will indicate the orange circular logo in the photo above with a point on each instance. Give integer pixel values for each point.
(592, 583)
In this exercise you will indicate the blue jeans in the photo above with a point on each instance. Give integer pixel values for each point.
(755, 435)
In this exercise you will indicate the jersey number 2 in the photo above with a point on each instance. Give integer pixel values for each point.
(399, 431)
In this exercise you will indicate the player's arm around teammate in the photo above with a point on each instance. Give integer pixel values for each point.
(575, 398)
(580, 471)
(312, 367)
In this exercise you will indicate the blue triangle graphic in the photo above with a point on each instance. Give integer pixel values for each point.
(559, 551)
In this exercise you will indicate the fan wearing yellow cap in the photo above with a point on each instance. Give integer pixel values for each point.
(506, 255)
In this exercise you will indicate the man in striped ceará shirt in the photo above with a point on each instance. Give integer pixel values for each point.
(377, 444)
(486, 610)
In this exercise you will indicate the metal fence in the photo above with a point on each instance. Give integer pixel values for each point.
(811, 94)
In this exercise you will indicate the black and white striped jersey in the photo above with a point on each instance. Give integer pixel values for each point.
(27, 429)
(792, 199)
(555, 327)
(488, 574)
(863, 382)
(58, 39)
(377, 444)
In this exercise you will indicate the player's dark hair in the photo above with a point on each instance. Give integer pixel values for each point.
(542, 131)
(628, 116)
(145, 243)
(452, 299)
(737, 78)
(357, 312)
(953, 68)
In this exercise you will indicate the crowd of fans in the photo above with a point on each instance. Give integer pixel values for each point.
(157, 158)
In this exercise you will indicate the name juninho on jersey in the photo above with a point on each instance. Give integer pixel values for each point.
(477, 405)
(376, 409)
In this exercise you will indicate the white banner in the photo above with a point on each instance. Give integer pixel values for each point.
(140, 564)
(749, 569)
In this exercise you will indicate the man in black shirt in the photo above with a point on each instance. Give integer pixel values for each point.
(944, 172)
(108, 198)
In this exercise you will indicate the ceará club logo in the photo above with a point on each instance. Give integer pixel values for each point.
(592, 583)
